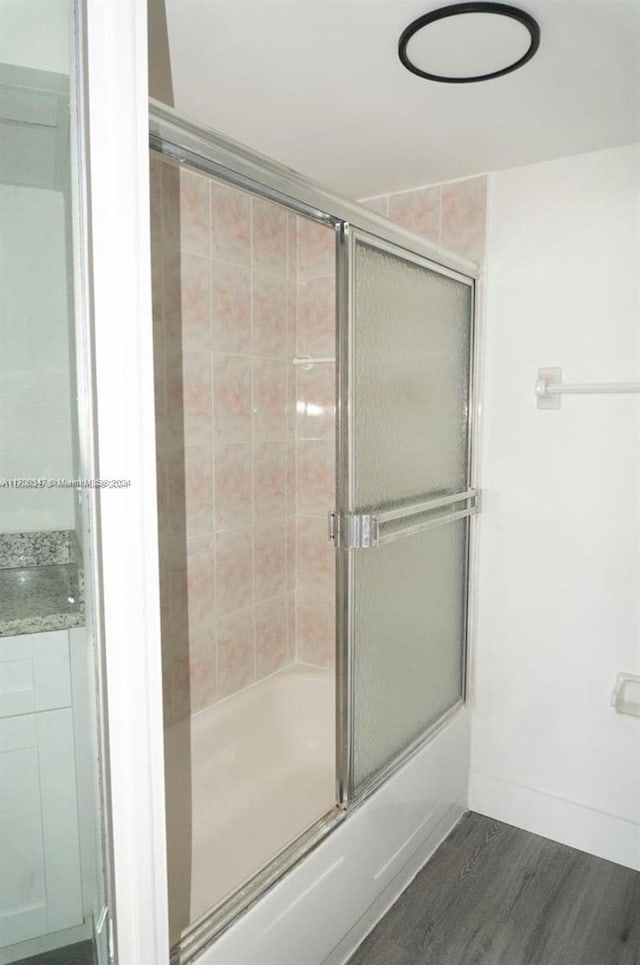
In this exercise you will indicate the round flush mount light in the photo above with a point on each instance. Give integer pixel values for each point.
(468, 42)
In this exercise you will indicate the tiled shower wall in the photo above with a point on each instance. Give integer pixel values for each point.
(244, 439)
(452, 214)
(315, 445)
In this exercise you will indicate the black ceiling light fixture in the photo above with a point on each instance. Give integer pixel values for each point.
(467, 42)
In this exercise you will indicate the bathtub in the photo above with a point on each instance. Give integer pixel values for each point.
(263, 770)
(320, 912)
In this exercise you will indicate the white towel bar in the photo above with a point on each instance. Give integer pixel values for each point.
(550, 388)
(306, 361)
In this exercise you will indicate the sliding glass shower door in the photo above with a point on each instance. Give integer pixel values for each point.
(404, 529)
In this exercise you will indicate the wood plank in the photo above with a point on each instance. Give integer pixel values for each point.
(495, 895)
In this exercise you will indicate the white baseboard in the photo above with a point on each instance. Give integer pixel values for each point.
(596, 832)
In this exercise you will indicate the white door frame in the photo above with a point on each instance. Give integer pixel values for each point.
(114, 36)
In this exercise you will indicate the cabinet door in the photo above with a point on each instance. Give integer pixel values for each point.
(34, 672)
(40, 889)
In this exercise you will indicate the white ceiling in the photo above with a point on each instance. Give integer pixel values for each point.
(317, 84)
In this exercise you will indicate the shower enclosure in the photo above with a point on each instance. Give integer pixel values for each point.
(316, 486)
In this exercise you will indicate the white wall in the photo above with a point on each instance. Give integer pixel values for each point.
(35, 403)
(559, 553)
(36, 33)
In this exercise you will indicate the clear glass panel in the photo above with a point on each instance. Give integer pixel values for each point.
(244, 305)
(52, 879)
(409, 627)
(411, 378)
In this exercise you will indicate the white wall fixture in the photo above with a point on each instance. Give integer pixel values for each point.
(626, 694)
(550, 388)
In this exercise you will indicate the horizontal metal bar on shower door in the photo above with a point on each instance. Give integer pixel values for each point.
(413, 509)
(384, 538)
(366, 530)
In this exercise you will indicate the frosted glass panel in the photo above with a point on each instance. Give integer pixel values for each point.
(409, 631)
(411, 378)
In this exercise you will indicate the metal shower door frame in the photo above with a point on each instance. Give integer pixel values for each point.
(349, 237)
(181, 141)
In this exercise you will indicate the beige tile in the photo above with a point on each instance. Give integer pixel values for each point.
(231, 308)
(464, 214)
(176, 504)
(236, 654)
(187, 300)
(292, 317)
(155, 191)
(271, 636)
(269, 400)
(379, 205)
(292, 245)
(202, 660)
(316, 318)
(316, 249)
(290, 533)
(418, 211)
(234, 569)
(232, 398)
(159, 372)
(234, 486)
(290, 402)
(157, 287)
(315, 556)
(170, 204)
(269, 315)
(200, 581)
(270, 559)
(316, 402)
(269, 237)
(315, 477)
(177, 621)
(315, 629)
(180, 690)
(198, 480)
(291, 477)
(291, 623)
(230, 224)
(189, 390)
(194, 212)
(270, 480)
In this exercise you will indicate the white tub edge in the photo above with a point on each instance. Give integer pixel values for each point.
(321, 911)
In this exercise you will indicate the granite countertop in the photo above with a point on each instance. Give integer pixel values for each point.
(43, 594)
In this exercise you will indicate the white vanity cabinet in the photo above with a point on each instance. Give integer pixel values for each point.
(40, 884)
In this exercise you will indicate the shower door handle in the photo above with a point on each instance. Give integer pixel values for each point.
(375, 528)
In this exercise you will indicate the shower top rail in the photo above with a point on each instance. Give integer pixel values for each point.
(550, 388)
(183, 141)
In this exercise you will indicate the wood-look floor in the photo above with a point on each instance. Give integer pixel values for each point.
(495, 895)
(80, 953)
